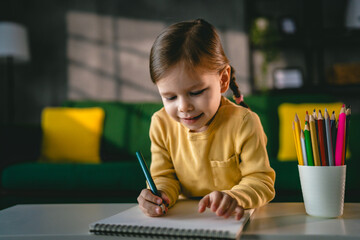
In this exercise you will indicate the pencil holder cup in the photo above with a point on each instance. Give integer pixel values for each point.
(323, 189)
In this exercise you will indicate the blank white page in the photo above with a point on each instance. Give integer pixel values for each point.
(183, 215)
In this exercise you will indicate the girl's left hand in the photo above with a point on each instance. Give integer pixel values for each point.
(222, 204)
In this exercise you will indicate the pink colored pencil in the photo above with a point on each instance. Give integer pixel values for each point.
(340, 138)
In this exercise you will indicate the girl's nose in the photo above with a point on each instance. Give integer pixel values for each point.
(184, 105)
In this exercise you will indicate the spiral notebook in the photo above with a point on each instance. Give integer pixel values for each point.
(182, 220)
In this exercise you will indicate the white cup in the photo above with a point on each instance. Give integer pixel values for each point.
(323, 190)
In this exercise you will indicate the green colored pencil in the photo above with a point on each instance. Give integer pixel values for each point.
(309, 151)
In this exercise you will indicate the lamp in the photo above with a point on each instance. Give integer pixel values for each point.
(14, 49)
(353, 14)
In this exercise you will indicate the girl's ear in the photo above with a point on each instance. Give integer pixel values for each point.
(225, 79)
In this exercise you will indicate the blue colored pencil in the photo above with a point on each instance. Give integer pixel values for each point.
(329, 145)
(147, 174)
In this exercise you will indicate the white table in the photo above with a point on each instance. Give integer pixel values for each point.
(273, 221)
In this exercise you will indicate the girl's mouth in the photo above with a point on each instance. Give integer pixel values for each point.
(192, 119)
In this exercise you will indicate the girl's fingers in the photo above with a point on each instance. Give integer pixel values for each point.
(204, 203)
(149, 203)
(239, 212)
(222, 204)
(165, 198)
(225, 203)
(151, 209)
(233, 205)
(149, 196)
(215, 200)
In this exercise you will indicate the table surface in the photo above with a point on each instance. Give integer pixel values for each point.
(273, 221)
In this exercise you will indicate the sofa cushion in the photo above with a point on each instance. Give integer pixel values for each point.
(266, 106)
(72, 134)
(287, 113)
(121, 176)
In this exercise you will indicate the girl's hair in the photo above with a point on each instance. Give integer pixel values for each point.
(190, 42)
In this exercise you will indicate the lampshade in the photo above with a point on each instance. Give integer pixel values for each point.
(13, 41)
(353, 14)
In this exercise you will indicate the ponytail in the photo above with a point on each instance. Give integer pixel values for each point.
(238, 97)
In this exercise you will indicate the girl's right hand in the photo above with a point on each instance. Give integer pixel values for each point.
(150, 204)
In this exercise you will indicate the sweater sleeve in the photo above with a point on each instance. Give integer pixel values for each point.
(162, 168)
(256, 187)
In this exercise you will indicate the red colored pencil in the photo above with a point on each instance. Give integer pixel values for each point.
(322, 142)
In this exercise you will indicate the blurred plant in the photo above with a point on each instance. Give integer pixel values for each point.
(264, 35)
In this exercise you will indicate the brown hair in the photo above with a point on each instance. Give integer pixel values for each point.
(190, 41)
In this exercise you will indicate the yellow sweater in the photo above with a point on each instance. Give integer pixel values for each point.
(230, 156)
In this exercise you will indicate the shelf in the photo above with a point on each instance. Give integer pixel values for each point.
(320, 42)
(352, 90)
(326, 38)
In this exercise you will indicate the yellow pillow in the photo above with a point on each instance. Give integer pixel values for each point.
(287, 112)
(72, 134)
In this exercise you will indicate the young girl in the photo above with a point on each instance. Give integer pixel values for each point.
(203, 145)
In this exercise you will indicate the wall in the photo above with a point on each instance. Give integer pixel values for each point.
(98, 49)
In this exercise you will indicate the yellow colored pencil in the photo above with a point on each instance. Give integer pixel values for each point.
(314, 141)
(297, 135)
(296, 145)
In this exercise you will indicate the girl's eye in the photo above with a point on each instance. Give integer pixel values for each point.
(170, 98)
(197, 92)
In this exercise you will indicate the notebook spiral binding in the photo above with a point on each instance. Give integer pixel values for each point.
(127, 230)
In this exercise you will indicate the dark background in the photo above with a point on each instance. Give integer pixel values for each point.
(321, 40)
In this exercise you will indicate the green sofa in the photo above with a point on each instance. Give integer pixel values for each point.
(118, 178)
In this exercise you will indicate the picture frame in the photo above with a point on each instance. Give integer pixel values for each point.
(290, 77)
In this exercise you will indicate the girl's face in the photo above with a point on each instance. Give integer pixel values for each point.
(192, 96)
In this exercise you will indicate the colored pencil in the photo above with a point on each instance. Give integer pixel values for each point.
(296, 145)
(317, 129)
(348, 116)
(297, 134)
(322, 142)
(329, 146)
(148, 177)
(309, 151)
(314, 141)
(315, 118)
(306, 116)
(340, 138)
(303, 148)
(147, 174)
(333, 119)
(333, 131)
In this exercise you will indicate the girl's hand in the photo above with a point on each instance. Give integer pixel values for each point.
(222, 204)
(153, 205)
